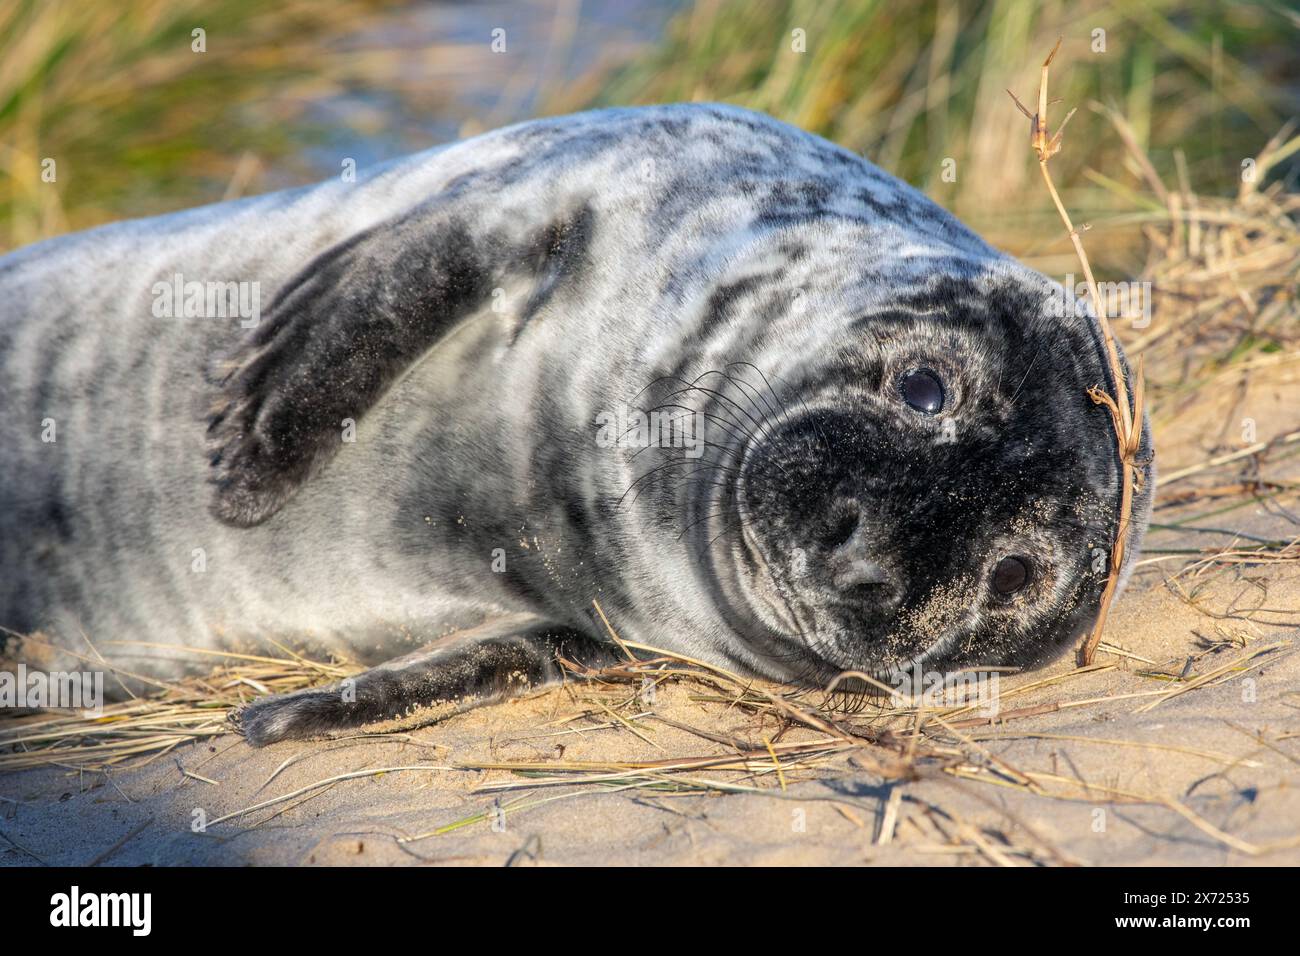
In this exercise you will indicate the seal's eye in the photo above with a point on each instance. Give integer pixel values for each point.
(1010, 575)
(922, 390)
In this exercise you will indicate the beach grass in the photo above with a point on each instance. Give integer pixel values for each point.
(918, 88)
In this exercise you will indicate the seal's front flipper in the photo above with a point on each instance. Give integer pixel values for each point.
(467, 670)
(353, 321)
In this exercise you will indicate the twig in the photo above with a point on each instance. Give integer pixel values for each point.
(1126, 418)
(131, 835)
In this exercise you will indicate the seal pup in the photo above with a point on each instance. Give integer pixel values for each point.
(771, 407)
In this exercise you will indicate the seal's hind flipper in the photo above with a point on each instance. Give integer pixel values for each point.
(465, 671)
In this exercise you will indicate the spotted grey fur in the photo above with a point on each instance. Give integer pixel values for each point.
(473, 310)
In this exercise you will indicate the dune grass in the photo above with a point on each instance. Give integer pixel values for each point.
(137, 122)
(912, 85)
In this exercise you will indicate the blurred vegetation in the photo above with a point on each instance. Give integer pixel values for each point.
(911, 84)
(138, 123)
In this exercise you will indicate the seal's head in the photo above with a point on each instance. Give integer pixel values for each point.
(935, 490)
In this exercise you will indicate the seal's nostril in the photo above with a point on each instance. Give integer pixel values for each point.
(857, 571)
(850, 562)
(842, 528)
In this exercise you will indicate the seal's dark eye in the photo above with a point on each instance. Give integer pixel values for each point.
(922, 390)
(1010, 575)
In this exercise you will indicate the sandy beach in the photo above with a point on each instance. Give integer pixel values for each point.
(1180, 746)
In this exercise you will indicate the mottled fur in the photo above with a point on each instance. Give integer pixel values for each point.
(473, 310)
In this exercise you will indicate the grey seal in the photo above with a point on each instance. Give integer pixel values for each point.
(767, 405)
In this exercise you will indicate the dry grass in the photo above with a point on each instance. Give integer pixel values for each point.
(1126, 418)
(1225, 280)
(763, 739)
(912, 85)
(137, 732)
(788, 737)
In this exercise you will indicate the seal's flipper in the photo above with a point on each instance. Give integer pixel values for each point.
(350, 324)
(467, 671)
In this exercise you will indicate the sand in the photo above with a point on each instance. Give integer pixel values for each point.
(1210, 776)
